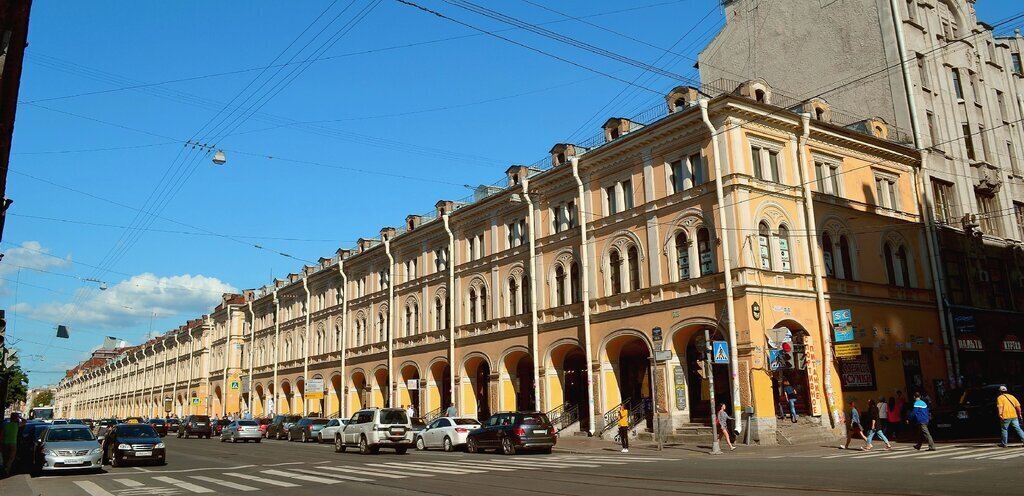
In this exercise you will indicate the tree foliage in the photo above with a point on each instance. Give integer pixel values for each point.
(17, 384)
(44, 398)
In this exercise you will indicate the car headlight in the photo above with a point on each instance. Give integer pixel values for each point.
(51, 452)
(159, 446)
(124, 446)
(95, 451)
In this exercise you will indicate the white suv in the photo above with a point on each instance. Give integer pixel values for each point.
(374, 428)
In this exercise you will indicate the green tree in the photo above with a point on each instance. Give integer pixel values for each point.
(17, 384)
(44, 398)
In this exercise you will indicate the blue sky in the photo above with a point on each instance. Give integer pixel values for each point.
(403, 110)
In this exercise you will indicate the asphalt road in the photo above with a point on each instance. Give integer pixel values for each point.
(197, 466)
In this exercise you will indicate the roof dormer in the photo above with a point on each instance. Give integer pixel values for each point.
(561, 153)
(819, 109)
(681, 98)
(308, 270)
(387, 234)
(249, 294)
(413, 221)
(365, 244)
(755, 89)
(278, 283)
(294, 277)
(325, 262)
(343, 253)
(444, 207)
(617, 127)
(875, 126)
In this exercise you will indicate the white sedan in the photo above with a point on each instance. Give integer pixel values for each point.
(446, 433)
(333, 426)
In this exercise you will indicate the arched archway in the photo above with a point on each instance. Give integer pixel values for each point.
(358, 396)
(218, 401)
(409, 388)
(260, 399)
(803, 386)
(315, 405)
(285, 406)
(381, 387)
(691, 355)
(566, 380)
(476, 386)
(439, 387)
(628, 378)
(516, 381)
(298, 399)
(335, 404)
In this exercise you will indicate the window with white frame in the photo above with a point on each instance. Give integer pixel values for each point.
(988, 214)
(513, 297)
(410, 270)
(764, 246)
(382, 327)
(887, 190)
(897, 265)
(785, 261)
(687, 172)
(705, 252)
(946, 210)
(764, 158)
(826, 174)
(440, 259)
(682, 246)
(563, 216)
(615, 271)
(516, 233)
(618, 196)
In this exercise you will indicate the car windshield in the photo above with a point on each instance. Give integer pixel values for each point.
(174, 421)
(417, 422)
(533, 419)
(466, 421)
(57, 435)
(136, 430)
(393, 417)
(247, 422)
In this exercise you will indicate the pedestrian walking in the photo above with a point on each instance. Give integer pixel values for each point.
(10, 441)
(722, 419)
(410, 411)
(789, 392)
(919, 418)
(870, 422)
(1009, 416)
(452, 411)
(624, 427)
(882, 419)
(895, 416)
(855, 430)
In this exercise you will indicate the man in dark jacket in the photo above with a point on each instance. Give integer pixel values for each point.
(919, 418)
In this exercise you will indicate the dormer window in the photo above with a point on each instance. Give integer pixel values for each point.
(759, 96)
(819, 114)
(680, 104)
(561, 158)
(615, 133)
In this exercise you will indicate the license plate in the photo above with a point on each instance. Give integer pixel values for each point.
(73, 461)
(143, 453)
(540, 431)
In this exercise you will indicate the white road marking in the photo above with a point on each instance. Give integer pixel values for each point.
(982, 452)
(264, 480)
(437, 467)
(370, 472)
(140, 469)
(188, 486)
(307, 478)
(232, 485)
(945, 452)
(482, 464)
(336, 476)
(404, 466)
(1007, 457)
(92, 488)
(128, 482)
(552, 464)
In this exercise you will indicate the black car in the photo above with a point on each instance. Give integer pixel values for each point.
(28, 440)
(975, 415)
(306, 429)
(219, 425)
(278, 428)
(128, 443)
(103, 426)
(196, 425)
(510, 432)
(159, 425)
(173, 424)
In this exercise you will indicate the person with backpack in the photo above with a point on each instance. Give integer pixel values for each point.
(919, 418)
(1009, 416)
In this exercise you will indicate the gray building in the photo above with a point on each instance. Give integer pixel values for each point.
(931, 68)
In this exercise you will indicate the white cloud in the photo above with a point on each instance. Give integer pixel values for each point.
(134, 301)
(30, 255)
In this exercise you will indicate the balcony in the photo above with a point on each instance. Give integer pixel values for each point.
(421, 339)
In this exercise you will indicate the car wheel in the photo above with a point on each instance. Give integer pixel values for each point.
(234, 439)
(447, 444)
(471, 446)
(257, 440)
(364, 448)
(290, 436)
(222, 439)
(402, 450)
(114, 462)
(507, 448)
(339, 447)
(420, 445)
(320, 439)
(305, 438)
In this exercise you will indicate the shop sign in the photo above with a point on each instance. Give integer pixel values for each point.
(849, 350)
(1011, 344)
(314, 389)
(858, 374)
(844, 333)
(840, 317)
(963, 324)
(679, 380)
(969, 342)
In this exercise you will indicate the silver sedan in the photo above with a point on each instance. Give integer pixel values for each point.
(69, 447)
(241, 430)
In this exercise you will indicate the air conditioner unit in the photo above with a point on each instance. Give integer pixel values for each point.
(983, 276)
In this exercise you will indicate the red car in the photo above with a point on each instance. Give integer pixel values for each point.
(264, 422)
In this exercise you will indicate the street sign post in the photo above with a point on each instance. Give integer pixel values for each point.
(715, 448)
(658, 338)
(314, 389)
(840, 317)
(720, 352)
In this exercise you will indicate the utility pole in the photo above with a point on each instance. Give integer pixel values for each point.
(710, 368)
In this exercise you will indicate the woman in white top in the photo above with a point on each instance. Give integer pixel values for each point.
(883, 414)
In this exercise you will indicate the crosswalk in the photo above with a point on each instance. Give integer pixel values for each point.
(967, 452)
(373, 470)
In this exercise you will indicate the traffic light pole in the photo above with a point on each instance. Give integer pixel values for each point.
(716, 449)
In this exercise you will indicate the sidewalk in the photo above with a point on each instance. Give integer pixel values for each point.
(592, 445)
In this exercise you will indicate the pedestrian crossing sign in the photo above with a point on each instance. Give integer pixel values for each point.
(720, 352)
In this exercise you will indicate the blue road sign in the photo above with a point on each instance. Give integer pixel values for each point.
(774, 357)
(720, 352)
(844, 333)
(840, 317)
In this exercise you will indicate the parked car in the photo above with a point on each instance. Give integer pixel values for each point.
(90, 423)
(59, 422)
(173, 424)
(975, 414)
(264, 422)
(418, 424)
(328, 431)
(219, 425)
(244, 430)
(127, 443)
(75, 421)
(195, 425)
(67, 447)
(510, 432)
(447, 433)
(28, 441)
(159, 425)
(306, 429)
(103, 426)
(376, 428)
(278, 428)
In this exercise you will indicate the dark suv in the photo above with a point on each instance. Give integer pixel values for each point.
(278, 428)
(195, 425)
(159, 425)
(513, 431)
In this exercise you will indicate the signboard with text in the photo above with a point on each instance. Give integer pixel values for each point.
(849, 350)
(858, 373)
(314, 389)
(840, 317)
(843, 333)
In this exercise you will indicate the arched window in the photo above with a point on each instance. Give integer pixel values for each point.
(526, 293)
(472, 305)
(764, 246)
(707, 260)
(615, 271)
(438, 311)
(381, 328)
(826, 255)
(784, 258)
(682, 256)
(844, 257)
(890, 265)
(901, 257)
(408, 320)
(513, 297)
(574, 282)
(559, 285)
(634, 268)
(337, 337)
(415, 318)
(483, 303)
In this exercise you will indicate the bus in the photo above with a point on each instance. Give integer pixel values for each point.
(41, 413)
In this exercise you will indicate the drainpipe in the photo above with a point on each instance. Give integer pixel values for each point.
(534, 340)
(343, 401)
(209, 367)
(450, 310)
(252, 343)
(391, 320)
(188, 385)
(177, 370)
(277, 349)
(581, 214)
(816, 258)
(726, 262)
(227, 358)
(305, 359)
(925, 202)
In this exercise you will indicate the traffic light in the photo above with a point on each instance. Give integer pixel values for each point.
(786, 356)
(3, 333)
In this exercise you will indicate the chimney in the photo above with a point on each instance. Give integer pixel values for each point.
(444, 207)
